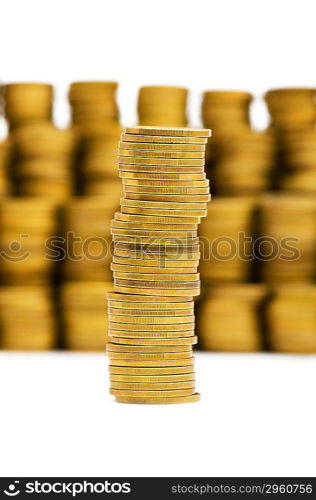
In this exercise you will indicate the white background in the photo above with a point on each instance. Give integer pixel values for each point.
(257, 415)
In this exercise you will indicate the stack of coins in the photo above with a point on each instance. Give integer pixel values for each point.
(229, 319)
(27, 103)
(26, 318)
(44, 156)
(83, 315)
(27, 255)
(292, 108)
(88, 239)
(291, 318)
(156, 254)
(5, 149)
(226, 240)
(162, 106)
(288, 242)
(244, 163)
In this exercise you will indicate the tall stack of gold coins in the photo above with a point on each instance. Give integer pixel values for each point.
(162, 106)
(288, 248)
(26, 226)
(229, 319)
(27, 103)
(44, 158)
(95, 117)
(27, 318)
(291, 317)
(84, 321)
(225, 241)
(155, 259)
(5, 150)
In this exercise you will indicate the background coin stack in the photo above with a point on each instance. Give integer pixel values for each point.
(88, 238)
(26, 318)
(156, 254)
(162, 106)
(228, 318)
(288, 221)
(26, 225)
(291, 318)
(222, 240)
(5, 150)
(43, 161)
(83, 313)
(27, 103)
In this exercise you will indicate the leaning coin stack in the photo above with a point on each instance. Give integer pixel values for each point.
(155, 259)
(229, 319)
(26, 318)
(27, 103)
(43, 161)
(291, 319)
(83, 315)
(288, 243)
(162, 106)
(5, 149)
(291, 108)
(26, 226)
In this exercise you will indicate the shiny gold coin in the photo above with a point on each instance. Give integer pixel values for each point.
(157, 300)
(163, 139)
(147, 307)
(153, 363)
(162, 147)
(155, 270)
(156, 169)
(151, 177)
(164, 342)
(161, 265)
(153, 379)
(150, 356)
(144, 371)
(160, 212)
(120, 224)
(157, 277)
(148, 348)
(193, 398)
(153, 334)
(157, 184)
(157, 291)
(169, 131)
(119, 216)
(183, 256)
(150, 386)
(168, 162)
(143, 153)
(192, 199)
(152, 233)
(165, 205)
(185, 192)
(165, 285)
(141, 326)
(151, 320)
(153, 394)
(151, 245)
(149, 312)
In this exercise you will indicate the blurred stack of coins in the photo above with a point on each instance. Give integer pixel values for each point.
(95, 117)
(291, 318)
(225, 240)
(27, 103)
(162, 106)
(84, 318)
(156, 254)
(5, 150)
(26, 225)
(26, 318)
(229, 319)
(43, 161)
(88, 239)
(288, 241)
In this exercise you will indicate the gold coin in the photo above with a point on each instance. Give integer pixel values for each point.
(184, 192)
(148, 348)
(185, 257)
(157, 277)
(164, 342)
(153, 379)
(157, 300)
(152, 233)
(149, 312)
(156, 220)
(174, 155)
(150, 334)
(151, 245)
(155, 270)
(193, 398)
(157, 184)
(141, 326)
(143, 371)
(165, 205)
(192, 199)
(150, 386)
(169, 131)
(120, 224)
(161, 265)
(168, 162)
(162, 147)
(150, 356)
(162, 176)
(154, 394)
(165, 285)
(147, 307)
(161, 212)
(153, 363)
(156, 169)
(157, 291)
(152, 320)
(129, 137)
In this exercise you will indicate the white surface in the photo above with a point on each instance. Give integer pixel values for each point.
(257, 417)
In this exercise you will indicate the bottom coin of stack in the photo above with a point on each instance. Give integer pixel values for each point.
(150, 349)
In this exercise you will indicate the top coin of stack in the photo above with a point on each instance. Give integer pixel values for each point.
(162, 106)
(156, 254)
(28, 103)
